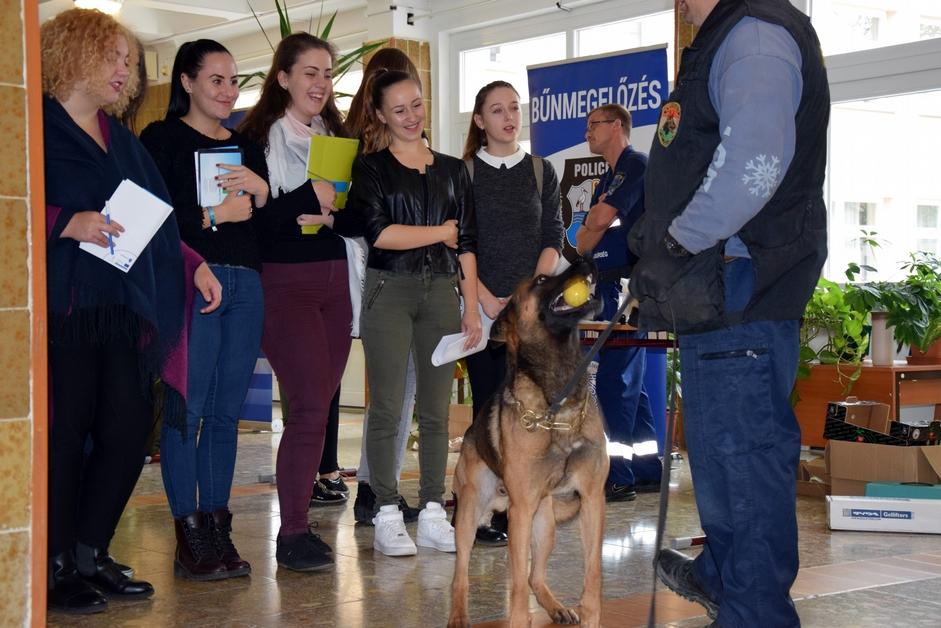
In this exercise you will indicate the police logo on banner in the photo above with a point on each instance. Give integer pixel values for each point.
(578, 184)
(669, 124)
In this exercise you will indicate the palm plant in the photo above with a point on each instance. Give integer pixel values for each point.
(344, 62)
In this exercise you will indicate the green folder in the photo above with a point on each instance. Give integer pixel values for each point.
(331, 159)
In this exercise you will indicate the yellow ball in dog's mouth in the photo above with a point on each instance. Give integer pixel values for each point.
(576, 293)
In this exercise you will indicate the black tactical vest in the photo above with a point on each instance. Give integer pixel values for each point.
(787, 239)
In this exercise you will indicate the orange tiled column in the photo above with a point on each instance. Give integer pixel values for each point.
(22, 321)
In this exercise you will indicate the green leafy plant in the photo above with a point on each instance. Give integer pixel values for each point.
(916, 312)
(344, 62)
(834, 329)
(834, 319)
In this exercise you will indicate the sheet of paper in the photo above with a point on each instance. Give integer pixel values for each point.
(451, 347)
(141, 214)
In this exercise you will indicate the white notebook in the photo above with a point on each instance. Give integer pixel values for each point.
(141, 214)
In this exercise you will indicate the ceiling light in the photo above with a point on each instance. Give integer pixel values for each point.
(111, 7)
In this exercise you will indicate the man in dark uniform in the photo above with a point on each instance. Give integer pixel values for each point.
(731, 246)
(617, 203)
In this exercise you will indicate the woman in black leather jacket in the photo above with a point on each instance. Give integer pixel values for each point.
(416, 208)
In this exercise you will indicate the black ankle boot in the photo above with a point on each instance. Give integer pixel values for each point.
(196, 557)
(219, 523)
(68, 593)
(107, 577)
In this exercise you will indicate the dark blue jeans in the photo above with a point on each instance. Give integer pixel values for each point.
(744, 446)
(628, 418)
(223, 348)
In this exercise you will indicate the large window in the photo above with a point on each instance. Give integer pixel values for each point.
(883, 173)
(851, 25)
(649, 30)
(506, 62)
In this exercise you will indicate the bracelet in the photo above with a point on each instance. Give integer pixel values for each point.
(212, 218)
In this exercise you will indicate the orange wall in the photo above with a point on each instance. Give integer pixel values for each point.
(22, 321)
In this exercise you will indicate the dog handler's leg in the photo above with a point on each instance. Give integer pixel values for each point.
(592, 529)
(543, 542)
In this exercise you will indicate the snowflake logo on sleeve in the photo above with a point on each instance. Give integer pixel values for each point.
(761, 175)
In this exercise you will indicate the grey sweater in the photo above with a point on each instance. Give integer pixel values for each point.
(514, 225)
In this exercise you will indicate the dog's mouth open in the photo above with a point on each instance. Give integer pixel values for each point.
(560, 306)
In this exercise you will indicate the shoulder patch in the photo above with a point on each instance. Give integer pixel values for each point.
(669, 124)
(616, 182)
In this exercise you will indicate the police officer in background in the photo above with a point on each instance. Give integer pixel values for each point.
(617, 203)
(731, 245)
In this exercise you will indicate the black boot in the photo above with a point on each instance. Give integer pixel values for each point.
(364, 508)
(675, 570)
(196, 557)
(68, 593)
(99, 569)
(220, 527)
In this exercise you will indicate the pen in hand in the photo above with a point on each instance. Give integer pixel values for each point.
(108, 221)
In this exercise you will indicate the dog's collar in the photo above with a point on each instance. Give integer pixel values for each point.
(531, 420)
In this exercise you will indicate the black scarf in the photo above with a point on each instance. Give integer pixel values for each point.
(91, 301)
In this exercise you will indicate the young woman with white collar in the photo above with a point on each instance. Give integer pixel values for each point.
(519, 224)
(519, 231)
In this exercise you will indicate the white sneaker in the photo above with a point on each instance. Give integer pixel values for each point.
(390, 536)
(434, 530)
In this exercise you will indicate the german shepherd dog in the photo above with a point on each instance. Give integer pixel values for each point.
(546, 470)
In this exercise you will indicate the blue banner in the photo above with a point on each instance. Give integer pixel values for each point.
(563, 93)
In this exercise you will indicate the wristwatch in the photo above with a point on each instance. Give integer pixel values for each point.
(674, 248)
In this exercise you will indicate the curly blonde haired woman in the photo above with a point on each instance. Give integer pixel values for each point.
(112, 333)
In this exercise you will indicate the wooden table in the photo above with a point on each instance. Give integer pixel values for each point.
(589, 332)
(896, 386)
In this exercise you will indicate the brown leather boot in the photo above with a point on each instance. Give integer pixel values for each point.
(196, 557)
(219, 523)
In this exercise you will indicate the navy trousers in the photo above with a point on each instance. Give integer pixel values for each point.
(744, 446)
(619, 385)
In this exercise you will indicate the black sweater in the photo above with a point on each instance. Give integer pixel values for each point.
(272, 234)
(171, 143)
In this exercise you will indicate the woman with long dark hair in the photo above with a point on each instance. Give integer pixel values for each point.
(418, 211)
(308, 313)
(364, 509)
(112, 333)
(198, 462)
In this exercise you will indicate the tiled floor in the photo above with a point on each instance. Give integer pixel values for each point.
(847, 579)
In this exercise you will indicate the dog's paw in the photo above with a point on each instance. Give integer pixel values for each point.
(564, 615)
(459, 622)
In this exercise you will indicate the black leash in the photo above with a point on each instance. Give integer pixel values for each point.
(668, 436)
(556, 405)
(664, 485)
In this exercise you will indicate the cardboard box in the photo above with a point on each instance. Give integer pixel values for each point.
(870, 415)
(460, 417)
(869, 422)
(853, 465)
(907, 490)
(813, 479)
(884, 514)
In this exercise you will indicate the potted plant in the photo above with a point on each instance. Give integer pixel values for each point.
(917, 314)
(879, 299)
(344, 61)
(833, 331)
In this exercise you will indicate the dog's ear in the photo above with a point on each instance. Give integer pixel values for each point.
(504, 323)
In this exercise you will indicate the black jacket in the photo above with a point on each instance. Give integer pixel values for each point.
(787, 239)
(384, 192)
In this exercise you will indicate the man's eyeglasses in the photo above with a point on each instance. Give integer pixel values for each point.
(591, 125)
